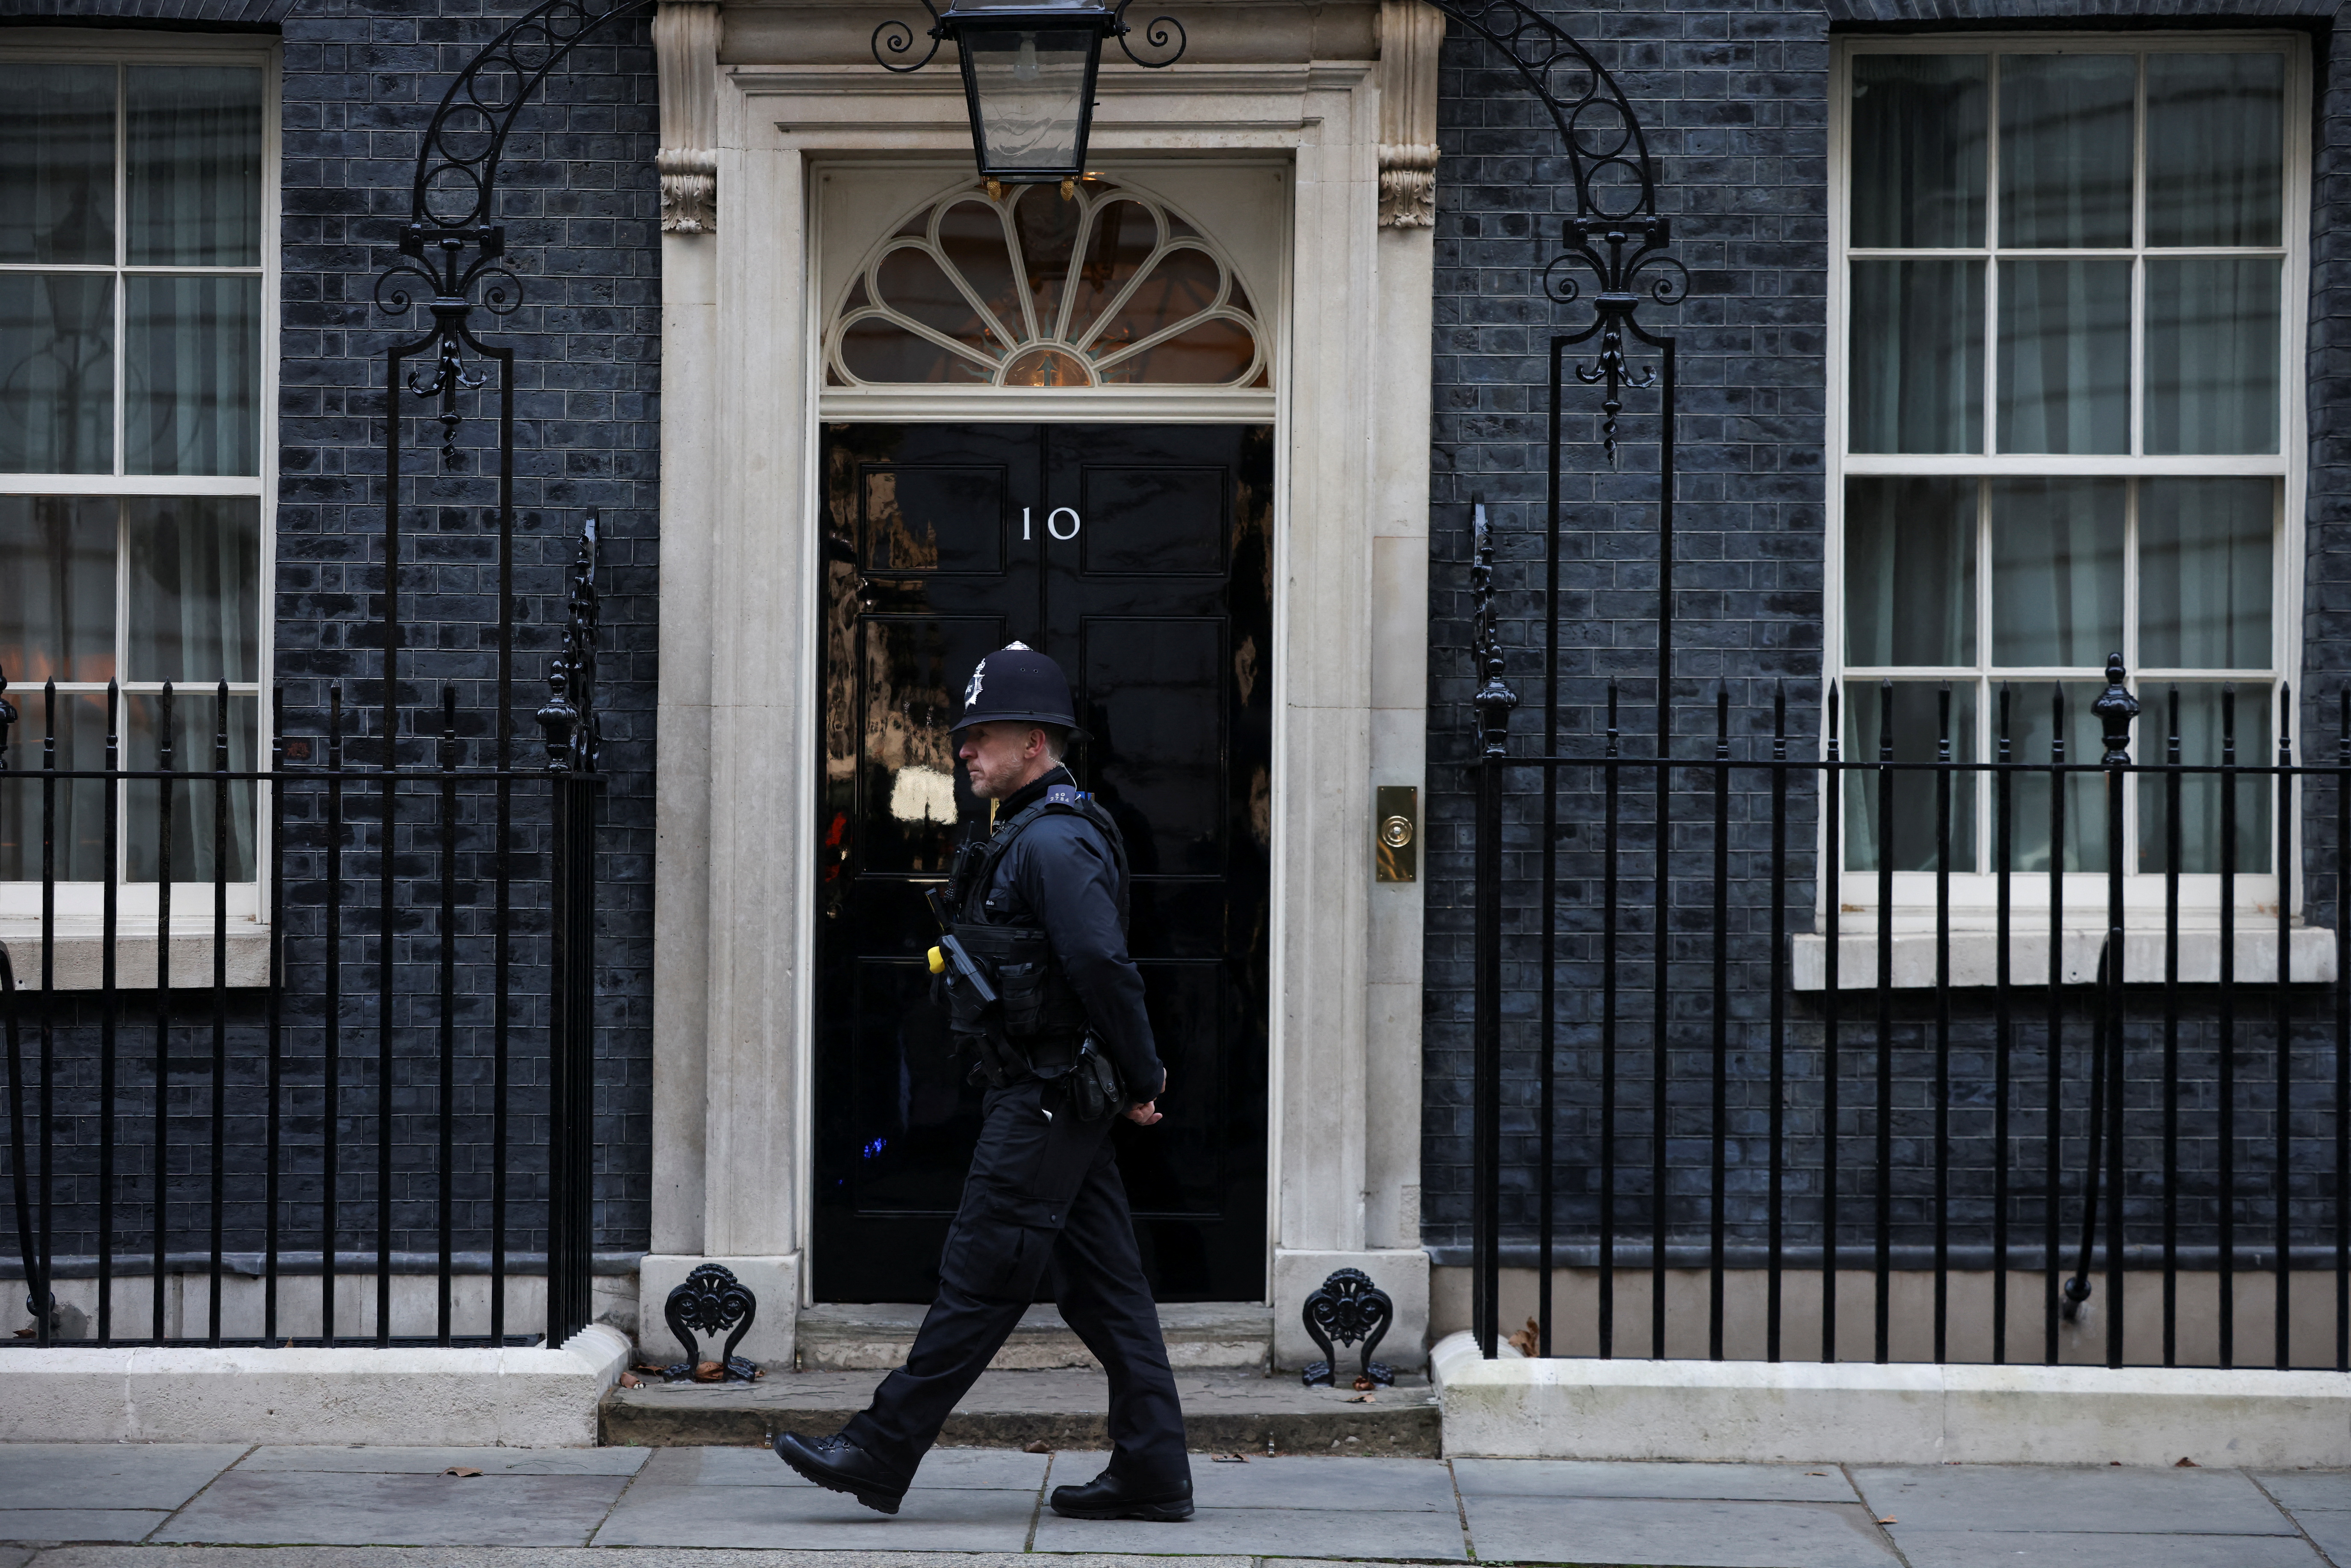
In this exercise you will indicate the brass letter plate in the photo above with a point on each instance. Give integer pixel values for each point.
(1396, 832)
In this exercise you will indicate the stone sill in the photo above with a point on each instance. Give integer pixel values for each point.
(1975, 956)
(82, 950)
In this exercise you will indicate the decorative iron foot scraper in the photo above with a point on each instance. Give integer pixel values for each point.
(1348, 1307)
(711, 1301)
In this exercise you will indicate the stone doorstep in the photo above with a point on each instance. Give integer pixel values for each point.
(1223, 1411)
(876, 1337)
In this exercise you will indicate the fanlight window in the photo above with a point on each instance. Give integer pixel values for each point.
(1101, 287)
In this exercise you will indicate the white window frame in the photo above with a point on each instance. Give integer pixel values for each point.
(1973, 893)
(80, 903)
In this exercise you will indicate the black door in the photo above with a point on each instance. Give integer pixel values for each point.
(1141, 557)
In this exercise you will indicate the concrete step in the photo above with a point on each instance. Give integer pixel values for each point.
(875, 1338)
(1225, 1411)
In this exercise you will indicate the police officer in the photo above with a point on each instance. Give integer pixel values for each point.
(1038, 982)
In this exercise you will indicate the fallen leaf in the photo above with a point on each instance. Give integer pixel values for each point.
(1889, 1519)
(1816, 1472)
(2187, 1464)
(1525, 1339)
(630, 1380)
(1036, 1446)
(646, 1366)
(2115, 1463)
(1228, 1459)
(1361, 1399)
(1361, 1382)
(710, 1372)
(28, 1334)
(461, 1471)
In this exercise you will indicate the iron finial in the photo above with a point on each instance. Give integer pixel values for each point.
(2114, 708)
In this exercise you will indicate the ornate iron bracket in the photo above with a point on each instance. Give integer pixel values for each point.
(711, 1302)
(1495, 699)
(575, 737)
(897, 38)
(1347, 1307)
(453, 246)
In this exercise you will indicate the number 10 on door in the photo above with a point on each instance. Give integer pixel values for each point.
(1052, 523)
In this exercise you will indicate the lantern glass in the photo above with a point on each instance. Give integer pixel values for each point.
(1031, 90)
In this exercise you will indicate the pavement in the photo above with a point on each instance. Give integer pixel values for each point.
(218, 1506)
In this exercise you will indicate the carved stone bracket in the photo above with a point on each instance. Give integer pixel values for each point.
(1411, 32)
(685, 39)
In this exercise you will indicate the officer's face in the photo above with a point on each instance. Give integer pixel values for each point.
(1001, 757)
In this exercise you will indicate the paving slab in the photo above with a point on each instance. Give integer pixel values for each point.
(2327, 1490)
(124, 1474)
(1599, 1477)
(79, 1523)
(1682, 1531)
(983, 1469)
(271, 1507)
(2129, 1502)
(371, 1459)
(931, 1519)
(2331, 1528)
(1263, 1532)
(1298, 1481)
(550, 1557)
(2100, 1549)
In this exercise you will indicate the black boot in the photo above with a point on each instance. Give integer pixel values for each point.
(837, 1464)
(1108, 1497)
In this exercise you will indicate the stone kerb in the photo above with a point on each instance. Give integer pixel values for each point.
(1758, 1411)
(513, 1398)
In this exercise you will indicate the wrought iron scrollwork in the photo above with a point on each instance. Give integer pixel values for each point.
(711, 1302)
(1494, 699)
(574, 740)
(898, 38)
(1348, 1307)
(453, 244)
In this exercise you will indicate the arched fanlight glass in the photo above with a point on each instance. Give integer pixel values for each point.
(1103, 286)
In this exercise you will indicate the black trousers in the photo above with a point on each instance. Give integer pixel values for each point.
(1043, 1193)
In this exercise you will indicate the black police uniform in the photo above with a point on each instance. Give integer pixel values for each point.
(1043, 1192)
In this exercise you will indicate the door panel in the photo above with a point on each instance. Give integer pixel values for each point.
(1140, 557)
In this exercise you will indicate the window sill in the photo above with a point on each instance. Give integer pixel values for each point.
(81, 955)
(1975, 955)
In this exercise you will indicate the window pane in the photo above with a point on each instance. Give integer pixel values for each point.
(196, 589)
(2205, 557)
(1918, 731)
(57, 374)
(78, 830)
(1917, 356)
(2056, 572)
(1911, 571)
(192, 167)
(2212, 355)
(196, 716)
(2201, 725)
(57, 589)
(194, 358)
(57, 178)
(1027, 87)
(2065, 150)
(2031, 721)
(2215, 149)
(1918, 150)
(2064, 356)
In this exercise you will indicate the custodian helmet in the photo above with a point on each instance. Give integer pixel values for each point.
(1016, 684)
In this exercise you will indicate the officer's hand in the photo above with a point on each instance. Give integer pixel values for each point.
(1144, 1114)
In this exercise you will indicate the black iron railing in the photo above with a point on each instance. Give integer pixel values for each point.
(2084, 1095)
(400, 1091)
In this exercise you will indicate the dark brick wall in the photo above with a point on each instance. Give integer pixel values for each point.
(1733, 97)
(579, 200)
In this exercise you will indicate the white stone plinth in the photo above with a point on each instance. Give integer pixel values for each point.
(535, 1397)
(1915, 1414)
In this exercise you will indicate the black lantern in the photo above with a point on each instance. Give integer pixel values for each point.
(1029, 70)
